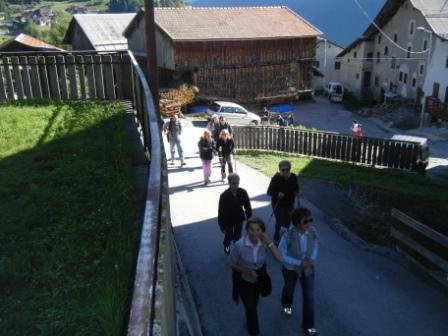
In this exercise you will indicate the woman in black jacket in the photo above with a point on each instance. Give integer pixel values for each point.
(226, 147)
(234, 207)
(206, 147)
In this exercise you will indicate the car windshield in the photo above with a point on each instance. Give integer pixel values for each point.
(215, 107)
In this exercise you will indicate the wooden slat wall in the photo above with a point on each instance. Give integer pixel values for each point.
(65, 76)
(367, 151)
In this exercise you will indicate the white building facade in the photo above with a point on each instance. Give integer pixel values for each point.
(326, 52)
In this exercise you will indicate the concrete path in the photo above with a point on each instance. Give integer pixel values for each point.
(357, 292)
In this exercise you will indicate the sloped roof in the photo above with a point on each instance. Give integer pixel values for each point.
(434, 11)
(228, 23)
(31, 42)
(104, 31)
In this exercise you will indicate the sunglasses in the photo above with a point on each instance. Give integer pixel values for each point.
(308, 220)
(285, 169)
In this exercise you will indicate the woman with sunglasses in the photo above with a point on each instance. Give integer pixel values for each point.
(283, 190)
(299, 247)
(248, 262)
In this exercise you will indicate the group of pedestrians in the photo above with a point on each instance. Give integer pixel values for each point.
(296, 249)
(216, 139)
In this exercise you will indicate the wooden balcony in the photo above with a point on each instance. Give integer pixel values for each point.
(436, 108)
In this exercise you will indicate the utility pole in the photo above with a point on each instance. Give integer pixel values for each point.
(151, 54)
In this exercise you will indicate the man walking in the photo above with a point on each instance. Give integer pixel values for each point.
(173, 130)
(234, 208)
(283, 190)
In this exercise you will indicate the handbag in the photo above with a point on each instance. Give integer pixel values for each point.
(264, 281)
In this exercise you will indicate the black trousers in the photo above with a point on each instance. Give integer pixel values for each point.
(232, 232)
(282, 219)
(307, 284)
(250, 293)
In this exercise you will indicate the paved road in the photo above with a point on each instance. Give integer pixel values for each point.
(323, 115)
(357, 293)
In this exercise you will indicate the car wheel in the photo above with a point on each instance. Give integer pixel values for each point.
(253, 123)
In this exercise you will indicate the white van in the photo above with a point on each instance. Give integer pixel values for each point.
(335, 91)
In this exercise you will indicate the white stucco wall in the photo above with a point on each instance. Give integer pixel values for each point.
(351, 71)
(383, 70)
(329, 72)
(437, 70)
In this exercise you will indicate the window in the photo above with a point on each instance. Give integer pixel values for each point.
(317, 64)
(414, 82)
(409, 52)
(378, 57)
(411, 28)
(446, 62)
(239, 110)
(370, 55)
(337, 65)
(357, 76)
(355, 54)
(386, 50)
(379, 39)
(395, 37)
(393, 62)
(422, 69)
(401, 76)
(405, 78)
(425, 44)
(377, 81)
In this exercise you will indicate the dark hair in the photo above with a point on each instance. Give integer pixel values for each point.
(256, 220)
(298, 214)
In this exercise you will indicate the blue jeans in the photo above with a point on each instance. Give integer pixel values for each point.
(307, 284)
(176, 142)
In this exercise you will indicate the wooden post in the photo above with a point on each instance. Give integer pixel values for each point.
(26, 77)
(17, 78)
(79, 60)
(62, 76)
(108, 77)
(54, 81)
(43, 77)
(90, 77)
(35, 78)
(9, 82)
(99, 80)
(71, 68)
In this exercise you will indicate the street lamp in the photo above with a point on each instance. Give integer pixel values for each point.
(428, 58)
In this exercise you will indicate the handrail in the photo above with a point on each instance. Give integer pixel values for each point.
(142, 306)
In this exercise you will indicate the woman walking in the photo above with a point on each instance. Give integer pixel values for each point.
(298, 247)
(206, 147)
(248, 261)
(226, 147)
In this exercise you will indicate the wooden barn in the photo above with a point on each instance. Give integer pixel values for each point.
(99, 32)
(239, 53)
(23, 42)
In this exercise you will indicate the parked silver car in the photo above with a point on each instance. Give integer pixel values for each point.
(234, 113)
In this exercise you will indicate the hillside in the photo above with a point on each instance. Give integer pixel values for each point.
(340, 20)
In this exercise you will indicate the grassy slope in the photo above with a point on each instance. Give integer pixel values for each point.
(67, 219)
(411, 193)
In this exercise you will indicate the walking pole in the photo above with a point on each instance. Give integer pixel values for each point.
(234, 160)
(272, 214)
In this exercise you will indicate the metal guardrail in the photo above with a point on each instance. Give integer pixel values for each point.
(152, 308)
(369, 151)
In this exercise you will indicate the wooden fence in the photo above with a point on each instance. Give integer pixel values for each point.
(65, 76)
(365, 150)
(437, 257)
(436, 108)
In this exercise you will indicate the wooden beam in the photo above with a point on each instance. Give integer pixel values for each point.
(435, 259)
(422, 228)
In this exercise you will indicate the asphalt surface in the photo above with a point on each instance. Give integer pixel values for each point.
(357, 292)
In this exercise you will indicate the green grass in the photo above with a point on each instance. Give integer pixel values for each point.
(67, 219)
(414, 194)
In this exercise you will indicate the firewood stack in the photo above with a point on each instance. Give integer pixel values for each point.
(173, 100)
